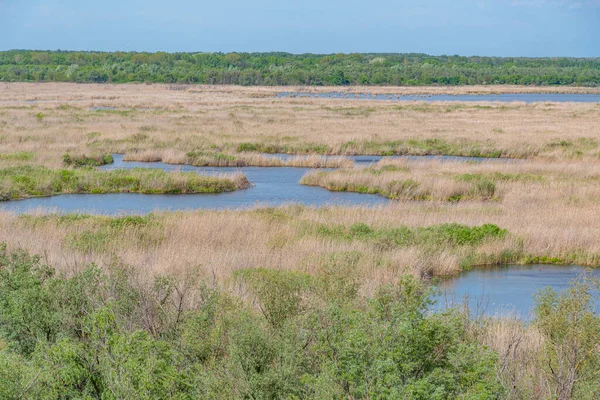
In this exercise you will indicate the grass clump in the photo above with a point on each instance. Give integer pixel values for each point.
(501, 177)
(396, 189)
(451, 234)
(465, 243)
(399, 181)
(17, 156)
(273, 148)
(205, 159)
(23, 182)
(78, 161)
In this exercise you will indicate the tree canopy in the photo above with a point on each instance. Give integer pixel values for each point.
(293, 69)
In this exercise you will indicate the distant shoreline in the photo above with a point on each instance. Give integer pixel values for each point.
(21, 88)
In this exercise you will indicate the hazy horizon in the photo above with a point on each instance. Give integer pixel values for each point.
(514, 28)
(292, 53)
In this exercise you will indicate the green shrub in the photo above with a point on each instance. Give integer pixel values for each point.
(103, 335)
(244, 147)
(87, 161)
(570, 328)
(279, 293)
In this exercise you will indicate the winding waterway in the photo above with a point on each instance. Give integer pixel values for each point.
(271, 186)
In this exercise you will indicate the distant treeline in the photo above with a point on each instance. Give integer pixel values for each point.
(292, 69)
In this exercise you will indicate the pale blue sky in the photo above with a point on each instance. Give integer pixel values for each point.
(465, 27)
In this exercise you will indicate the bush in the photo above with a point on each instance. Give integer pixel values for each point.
(87, 161)
(571, 330)
(102, 335)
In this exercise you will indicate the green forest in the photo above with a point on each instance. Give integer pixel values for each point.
(293, 69)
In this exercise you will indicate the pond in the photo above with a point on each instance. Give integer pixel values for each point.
(505, 97)
(506, 290)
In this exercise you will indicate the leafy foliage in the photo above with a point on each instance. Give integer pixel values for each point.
(102, 335)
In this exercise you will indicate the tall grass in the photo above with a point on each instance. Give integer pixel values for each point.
(216, 159)
(396, 180)
(27, 181)
(238, 121)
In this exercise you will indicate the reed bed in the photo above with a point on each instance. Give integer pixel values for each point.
(549, 211)
(457, 181)
(50, 120)
(212, 159)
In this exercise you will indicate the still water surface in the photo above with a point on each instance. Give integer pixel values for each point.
(506, 97)
(507, 290)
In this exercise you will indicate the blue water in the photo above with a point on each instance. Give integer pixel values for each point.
(508, 97)
(365, 160)
(507, 290)
(271, 187)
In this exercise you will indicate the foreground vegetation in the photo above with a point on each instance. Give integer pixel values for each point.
(27, 181)
(290, 69)
(112, 334)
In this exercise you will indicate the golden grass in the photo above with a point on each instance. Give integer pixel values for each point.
(447, 180)
(551, 212)
(549, 205)
(519, 349)
(222, 242)
(49, 120)
(238, 160)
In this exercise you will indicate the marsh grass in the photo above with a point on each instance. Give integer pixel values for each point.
(28, 181)
(432, 236)
(422, 147)
(461, 241)
(397, 181)
(199, 119)
(549, 204)
(452, 181)
(218, 159)
(17, 156)
(293, 238)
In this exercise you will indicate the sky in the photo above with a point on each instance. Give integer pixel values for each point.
(533, 28)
